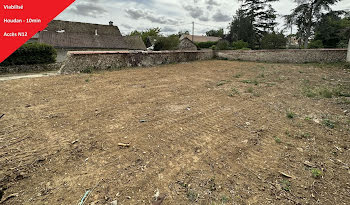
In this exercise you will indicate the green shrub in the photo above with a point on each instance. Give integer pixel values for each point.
(240, 45)
(208, 44)
(315, 44)
(166, 43)
(222, 45)
(32, 53)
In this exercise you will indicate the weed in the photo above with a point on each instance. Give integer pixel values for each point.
(192, 196)
(326, 93)
(222, 82)
(288, 133)
(278, 140)
(305, 135)
(255, 82)
(307, 118)
(309, 93)
(237, 75)
(88, 70)
(262, 75)
(291, 115)
(87, 80)
(285, 185)
(250, 90)
(329, 123)
(234, 92)
(316, 173)
(224, 199)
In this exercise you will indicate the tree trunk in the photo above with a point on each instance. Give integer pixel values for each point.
(348, 58)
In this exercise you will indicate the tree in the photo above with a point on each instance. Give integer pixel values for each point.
(306, 14)
(254, 19)
(333, 30)
(216, 33)
(241, 28)
(274, 41)
(155, 32)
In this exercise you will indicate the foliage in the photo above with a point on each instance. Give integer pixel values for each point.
(273, 41)
(252, 21)
(315, 44)
(241, 28)
(32, 53)
(167, 43)
(305, 16)
(207, 44)
(316, 173)
(222, 45)
(154, 32)
(333, 30)
(216, 33)
(239, 45)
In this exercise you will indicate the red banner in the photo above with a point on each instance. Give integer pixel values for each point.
(22, 19)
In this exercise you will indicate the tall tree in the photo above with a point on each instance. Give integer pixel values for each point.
(216, 33)
(306, 14)
(154, 32)
(257, 17)
(333, 29)
(241, 28)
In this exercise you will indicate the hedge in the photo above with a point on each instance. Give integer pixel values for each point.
(32, 53)
(208, 44)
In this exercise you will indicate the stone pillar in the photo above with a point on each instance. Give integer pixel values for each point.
(348, 58)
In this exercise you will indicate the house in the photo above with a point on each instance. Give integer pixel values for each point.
(199, 39)
(67, 36)
(187, 44)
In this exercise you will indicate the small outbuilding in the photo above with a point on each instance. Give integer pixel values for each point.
(187, 44)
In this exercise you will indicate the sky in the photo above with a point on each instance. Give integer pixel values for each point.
(171, 16)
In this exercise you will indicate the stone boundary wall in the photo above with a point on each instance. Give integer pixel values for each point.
(82, 61)
(286, 56)
(29, 68)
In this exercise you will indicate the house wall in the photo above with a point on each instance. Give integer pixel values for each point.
(106, 60)
(286, 56)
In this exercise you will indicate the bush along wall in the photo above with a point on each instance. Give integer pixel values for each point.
(32, 53)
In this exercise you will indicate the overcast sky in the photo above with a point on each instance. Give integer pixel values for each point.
(171, 16)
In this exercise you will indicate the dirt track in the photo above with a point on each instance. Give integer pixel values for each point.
(209, 132)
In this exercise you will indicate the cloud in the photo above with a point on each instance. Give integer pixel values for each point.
(197, 12)
(88, 9)
(212, 2)
(168, 29)
(148, 15)
(220, 17)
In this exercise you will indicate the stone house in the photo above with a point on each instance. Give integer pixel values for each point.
(187, 44)
(69, 36)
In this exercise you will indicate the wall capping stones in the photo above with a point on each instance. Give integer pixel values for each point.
(286, 55)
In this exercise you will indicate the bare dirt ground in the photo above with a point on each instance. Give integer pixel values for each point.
(209, 132)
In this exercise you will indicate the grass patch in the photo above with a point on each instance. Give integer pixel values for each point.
(234, 92)
(237, 75)
(291, 115)
(278, 140)
(222, 82)
(192, 196)
(316, 173)
(250, 90)
(88, 70)
(328, 123)
(285, 185)
(255, 82)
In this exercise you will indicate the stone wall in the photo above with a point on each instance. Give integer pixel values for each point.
(286, 56)
(29, 68)
(107, 60)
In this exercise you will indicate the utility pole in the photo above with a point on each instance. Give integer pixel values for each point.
(192, 31)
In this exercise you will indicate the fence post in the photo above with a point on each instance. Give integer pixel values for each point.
(348, 57)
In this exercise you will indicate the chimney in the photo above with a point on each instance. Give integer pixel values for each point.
(111, 23)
